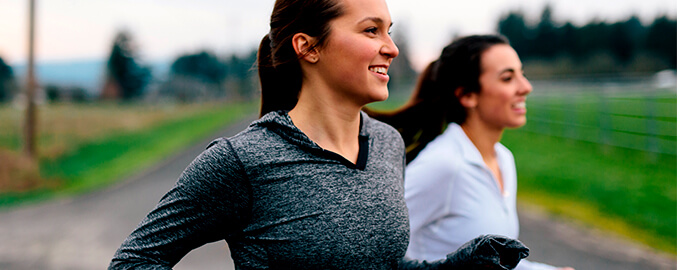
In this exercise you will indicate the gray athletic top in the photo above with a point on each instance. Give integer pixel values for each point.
(282, 202)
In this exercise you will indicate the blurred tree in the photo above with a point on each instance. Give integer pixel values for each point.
(242, 76)
(6, 81)
(514, 27)
(195, 77)
(569, 39)
(203, 76)
(662, 40)
(79, 95)
(598, 46)
(126, 79)
(56, 93)
(53, 93)
(203, 66)
(623, 38)
(547, 41)
(593, 38)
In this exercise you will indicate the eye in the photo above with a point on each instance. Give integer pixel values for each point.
(372, 30)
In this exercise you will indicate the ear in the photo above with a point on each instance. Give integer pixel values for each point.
(468, 100)
(304, 47)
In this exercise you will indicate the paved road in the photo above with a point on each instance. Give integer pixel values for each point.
(84, 232)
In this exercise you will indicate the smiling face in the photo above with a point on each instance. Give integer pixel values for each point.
(501, 101)
(355, 59)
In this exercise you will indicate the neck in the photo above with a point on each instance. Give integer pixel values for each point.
(483, 137)
(330, 124)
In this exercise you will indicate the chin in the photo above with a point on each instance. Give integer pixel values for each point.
(518, 124)
(383, 97)
(379, 96)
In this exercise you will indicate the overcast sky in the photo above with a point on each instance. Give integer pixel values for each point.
(163, 29)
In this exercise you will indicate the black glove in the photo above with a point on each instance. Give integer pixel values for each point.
(484, 252)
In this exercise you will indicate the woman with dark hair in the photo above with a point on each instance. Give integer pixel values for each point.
(460, 181)
(314, 183)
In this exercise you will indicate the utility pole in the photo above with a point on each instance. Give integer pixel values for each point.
(30, 123)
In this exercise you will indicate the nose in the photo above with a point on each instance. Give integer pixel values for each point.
(389, 49)
(525, 86)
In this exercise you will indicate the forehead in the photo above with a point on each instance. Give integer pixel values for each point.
(499, 57)
(357, 10)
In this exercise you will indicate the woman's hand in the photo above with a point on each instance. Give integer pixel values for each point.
(492, 252)
(488, 252)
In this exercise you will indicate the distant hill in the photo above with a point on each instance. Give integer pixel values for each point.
(88, 74)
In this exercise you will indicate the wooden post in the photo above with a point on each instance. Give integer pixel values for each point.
(30, 121)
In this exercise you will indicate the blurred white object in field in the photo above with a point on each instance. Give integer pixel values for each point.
(666, 79)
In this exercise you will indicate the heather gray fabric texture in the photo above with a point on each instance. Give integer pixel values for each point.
(282, 202)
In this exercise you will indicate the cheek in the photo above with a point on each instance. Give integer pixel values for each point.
(496, 102)
(357, 49)
(498, 95)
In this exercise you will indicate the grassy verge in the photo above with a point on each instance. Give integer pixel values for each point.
(605, 158)
(101, 160)
(629, 192)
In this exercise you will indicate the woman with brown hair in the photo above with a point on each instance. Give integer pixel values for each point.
(461, 181)
(314, 183)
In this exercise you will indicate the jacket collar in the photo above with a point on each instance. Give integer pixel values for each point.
(471, 154)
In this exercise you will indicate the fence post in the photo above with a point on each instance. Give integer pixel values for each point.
(604, 119)
(570, 108)
(650, 124)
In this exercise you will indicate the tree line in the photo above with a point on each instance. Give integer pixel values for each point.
(192, 77)
(598, 46)
(548, 46)
(7, 83)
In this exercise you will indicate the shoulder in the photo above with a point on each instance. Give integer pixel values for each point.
(444, 149)
(215, 179)
(440, 157)
(255, 141)
(217, 161)
(382, 135)
(378, 128)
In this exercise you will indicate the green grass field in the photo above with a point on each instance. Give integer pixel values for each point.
(119, 150)
(611, 188)
(607, 160)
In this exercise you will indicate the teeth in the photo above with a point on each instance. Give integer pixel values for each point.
(381, 70)
(520, 105)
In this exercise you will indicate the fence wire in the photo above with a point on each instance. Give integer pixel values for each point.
(636, 112)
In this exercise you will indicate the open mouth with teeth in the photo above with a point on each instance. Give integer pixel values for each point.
(379, 70)
(519, 105)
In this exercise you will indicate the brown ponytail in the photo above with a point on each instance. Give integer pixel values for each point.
(278, 67)
(433, 103)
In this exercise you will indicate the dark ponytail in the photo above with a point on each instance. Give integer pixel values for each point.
(278, 67)
(434, 103)
(279, 85)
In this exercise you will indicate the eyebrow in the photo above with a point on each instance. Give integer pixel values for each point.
(506, 70)
(376, 20)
